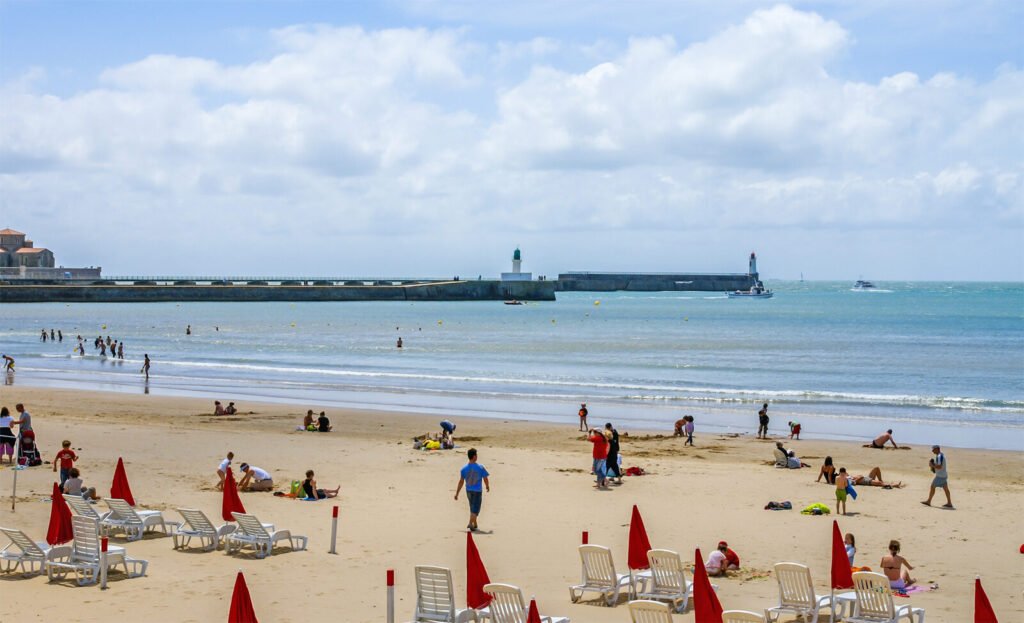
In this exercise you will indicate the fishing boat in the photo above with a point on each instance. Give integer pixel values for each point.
(513, 302)
(864, 285)
(756, 291)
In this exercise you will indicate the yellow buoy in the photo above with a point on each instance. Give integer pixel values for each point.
(552, 321)
(104, 327)
(440, 322)
(686, 319)
(293, 324)
(597, 302)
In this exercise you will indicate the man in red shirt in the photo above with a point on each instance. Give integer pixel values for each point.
(600, 456)
(66, 457)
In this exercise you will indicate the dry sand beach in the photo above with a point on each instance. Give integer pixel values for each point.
(397, 510)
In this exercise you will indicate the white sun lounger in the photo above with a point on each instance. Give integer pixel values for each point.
(131, 522)
(252, 534)
(668, 580)
(874, 601)
(796, 594)
(508, 606)
(29, 555)
(435, 598)
(599, 575)
(83, 559)
(83, 507)
(743, 616)
(198, 526)
(646, 611)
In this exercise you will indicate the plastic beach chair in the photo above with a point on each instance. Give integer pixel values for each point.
(796, 594)
(133, 523)
(29, 555)
(82, 507)
(435, 600)
(198, 525)
(875, 604)
(668, 580)
(646, 611)
(252, 534)
(743, 616)
(508, 606)
(83, 556)
(599, 575)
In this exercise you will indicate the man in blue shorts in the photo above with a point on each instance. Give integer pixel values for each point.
(475, 477)
(941, 479)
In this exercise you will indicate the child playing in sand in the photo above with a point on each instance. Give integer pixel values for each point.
(688, 428)
(66, 457)
(222, 469)
(74, 486)
(851, 546)
(842, 481)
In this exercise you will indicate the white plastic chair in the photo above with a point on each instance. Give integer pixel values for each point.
(646, 611)
(29, 555)
(251, 533)
(198, 525)
(599, 575)
(668, 580)
(796, 594)
(82, 507)
(435, 598)
(131, 522)
(509, 606)
(743, 616)
(875, 604)
(83, 559)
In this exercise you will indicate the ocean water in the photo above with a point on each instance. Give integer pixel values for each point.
(937, 362)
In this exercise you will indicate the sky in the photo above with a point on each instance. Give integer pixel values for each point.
(837, 139)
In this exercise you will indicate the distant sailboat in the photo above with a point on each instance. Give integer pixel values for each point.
(801, 277)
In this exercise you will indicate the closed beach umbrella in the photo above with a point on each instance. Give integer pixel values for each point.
(983, 612)
(842, 575)
(241, 604)
(60, 519)
(534, 615)
(476, 576)
(120, 490)
(706, 608)
(639, 544)
(230, 502)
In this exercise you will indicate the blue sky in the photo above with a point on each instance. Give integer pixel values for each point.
(430, 138)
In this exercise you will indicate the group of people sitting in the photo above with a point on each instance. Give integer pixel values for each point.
(257, 479)
(219, 409)
(787, 458)
(319, 424)
(444, 440)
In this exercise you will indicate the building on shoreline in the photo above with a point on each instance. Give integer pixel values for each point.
(21, 259)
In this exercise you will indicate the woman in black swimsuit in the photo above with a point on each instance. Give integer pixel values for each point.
(828, 470)
(309, 488)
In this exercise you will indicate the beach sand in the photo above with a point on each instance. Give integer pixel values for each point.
(397, 510)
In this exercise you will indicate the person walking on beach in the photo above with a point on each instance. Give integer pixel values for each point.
(475, 477)
(60, 335)
(688, 429)
(612, 461)
(7, 438)
(762, 422)
(600, 455)
(66, 458)
(938, 467)
(145, 365)
(583, 416)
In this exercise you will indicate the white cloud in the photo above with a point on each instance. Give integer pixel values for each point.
(343, 131)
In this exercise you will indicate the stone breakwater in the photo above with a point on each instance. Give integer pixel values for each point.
(483, 290)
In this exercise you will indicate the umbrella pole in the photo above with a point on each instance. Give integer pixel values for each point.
(17, 464)
(832, 605)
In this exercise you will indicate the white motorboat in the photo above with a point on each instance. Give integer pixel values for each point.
(864, 285)
(756, 291)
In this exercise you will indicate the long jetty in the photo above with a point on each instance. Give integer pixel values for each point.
(149, 290)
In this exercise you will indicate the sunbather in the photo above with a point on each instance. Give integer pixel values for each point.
(892, 567)
(880, 441)
(874, 479)
(309, 488)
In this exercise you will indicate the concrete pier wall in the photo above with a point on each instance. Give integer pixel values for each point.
(654, 282)
(437, 291)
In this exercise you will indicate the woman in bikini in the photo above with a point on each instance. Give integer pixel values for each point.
(892, 567)
(874, 479)
(828, 470)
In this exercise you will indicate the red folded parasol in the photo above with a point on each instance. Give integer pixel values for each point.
(842, 575)
(983, 612)
(241, 605)
(476, 576)
(706, 608)
(230, 502)
(533, 616)
(639, 544)
(60, 530)
(120, 490)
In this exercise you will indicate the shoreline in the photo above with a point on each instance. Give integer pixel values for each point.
(648, 416)
(397, 511)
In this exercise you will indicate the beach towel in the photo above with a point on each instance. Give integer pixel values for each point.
(779, 506)
(634, 471)
(816, 509)
(916, 588)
